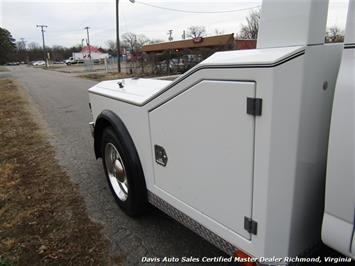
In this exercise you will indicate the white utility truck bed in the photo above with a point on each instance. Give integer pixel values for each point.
(134, 90)
(235, 149)
(139, 91)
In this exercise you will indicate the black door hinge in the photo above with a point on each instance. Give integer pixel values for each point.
(254, 106)
(250, 225)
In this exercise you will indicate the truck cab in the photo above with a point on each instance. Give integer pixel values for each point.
(70, 61)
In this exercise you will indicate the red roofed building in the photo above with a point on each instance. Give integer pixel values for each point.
(213, 43)
(93, 49)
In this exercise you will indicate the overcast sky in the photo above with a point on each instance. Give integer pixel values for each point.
(66, 19)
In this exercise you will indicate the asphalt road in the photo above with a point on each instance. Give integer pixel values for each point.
(62, 101)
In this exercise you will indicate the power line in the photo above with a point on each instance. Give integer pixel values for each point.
(196, 12)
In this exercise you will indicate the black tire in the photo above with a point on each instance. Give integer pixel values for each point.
(136, 202)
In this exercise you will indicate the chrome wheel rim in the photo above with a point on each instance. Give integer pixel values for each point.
(116, 171)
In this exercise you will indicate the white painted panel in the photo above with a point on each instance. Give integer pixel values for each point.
(350, 23)
(209, 138)
(336, 233)
(340, 190)
(340, 183)
(134, 90)
(292, 22)
(251, 56)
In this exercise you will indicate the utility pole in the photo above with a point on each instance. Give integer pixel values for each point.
(170, 33)
(44, 45)
(118, 35)
(23, 50)
(88, 41)
(118, 38)
(23, 42)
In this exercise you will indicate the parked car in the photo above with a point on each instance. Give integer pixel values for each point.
(39, 63)
(58, 62)
(13, 64)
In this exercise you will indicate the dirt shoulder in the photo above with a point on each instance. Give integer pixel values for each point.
(3, 69)
(104, 76)
(111, 76)
(43, 219)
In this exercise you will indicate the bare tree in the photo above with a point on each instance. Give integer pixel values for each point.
(21, 45)
(132, 41)
(218, 32)
(58, 52)
(196, 31)
(334, 34)
(33, 45)
(129, 41)
(155, 41)
(111, 45)
(251, 28)
(142, 40)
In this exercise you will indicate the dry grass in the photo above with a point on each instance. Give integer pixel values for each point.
(3, 69)
(111, 76)
(104, 76)
(43, 219)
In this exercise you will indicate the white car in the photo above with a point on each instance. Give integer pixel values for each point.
(39, 63)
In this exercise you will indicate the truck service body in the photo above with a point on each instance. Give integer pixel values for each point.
(236, 148)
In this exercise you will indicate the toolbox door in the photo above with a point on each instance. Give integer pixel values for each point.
(203, 148)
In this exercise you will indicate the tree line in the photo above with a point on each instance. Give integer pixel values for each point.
(12, 50)
(18, 51)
